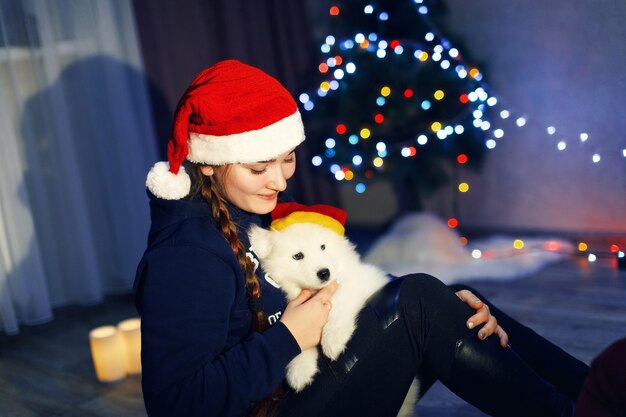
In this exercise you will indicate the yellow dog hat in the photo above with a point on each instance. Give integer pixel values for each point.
(286, 214)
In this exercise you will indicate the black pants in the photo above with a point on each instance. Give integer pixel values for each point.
(414, 326)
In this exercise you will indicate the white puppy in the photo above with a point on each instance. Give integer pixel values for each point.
(309, 255)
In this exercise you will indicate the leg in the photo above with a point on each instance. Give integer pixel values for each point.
(417, 323)
(548, 360)
(302, 369)
(365, 380)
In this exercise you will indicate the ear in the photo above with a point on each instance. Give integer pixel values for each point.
(260, 240)
(207, 170)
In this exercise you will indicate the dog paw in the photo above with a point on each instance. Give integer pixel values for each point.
(298, 379)
(333, 343)
(301, 370)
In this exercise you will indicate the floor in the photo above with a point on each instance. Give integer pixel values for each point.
(46, 370)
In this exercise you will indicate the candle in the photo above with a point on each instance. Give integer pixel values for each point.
(107, 351)
(131, 333)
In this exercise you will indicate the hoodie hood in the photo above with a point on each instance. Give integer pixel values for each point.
(167, 215)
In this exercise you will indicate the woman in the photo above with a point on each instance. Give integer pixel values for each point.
(217, 333)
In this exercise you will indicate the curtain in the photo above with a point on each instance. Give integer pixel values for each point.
(179, 39)
(77, 139)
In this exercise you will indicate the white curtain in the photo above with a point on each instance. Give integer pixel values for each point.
(77, 140)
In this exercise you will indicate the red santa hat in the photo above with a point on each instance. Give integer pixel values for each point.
(231, 113)
(287, 214)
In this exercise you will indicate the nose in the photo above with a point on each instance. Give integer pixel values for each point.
(277, 182)
(323, 274)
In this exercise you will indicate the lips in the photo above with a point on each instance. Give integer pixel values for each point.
(268, 197)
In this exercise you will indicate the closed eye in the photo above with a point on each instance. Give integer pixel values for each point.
(298, 256)
(258, 168)
(323, 247)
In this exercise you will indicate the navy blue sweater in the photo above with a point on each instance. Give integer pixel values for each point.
(199, 355)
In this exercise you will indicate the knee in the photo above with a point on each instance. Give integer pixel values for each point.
(423, 291)
(459, 287)
(408, 292)
(420, 284)
(421, 279)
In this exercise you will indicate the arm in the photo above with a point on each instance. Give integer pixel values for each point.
(186, 304)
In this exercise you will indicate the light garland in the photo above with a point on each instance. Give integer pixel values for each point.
(435, 48)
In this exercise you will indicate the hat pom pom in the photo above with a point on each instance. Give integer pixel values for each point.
(167, 185)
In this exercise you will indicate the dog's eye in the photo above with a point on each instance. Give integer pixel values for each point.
(298, 256)
(323, 247)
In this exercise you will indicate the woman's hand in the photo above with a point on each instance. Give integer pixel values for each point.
(483, 315)
(306, 315)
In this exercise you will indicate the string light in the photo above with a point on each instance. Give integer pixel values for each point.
(433, 48)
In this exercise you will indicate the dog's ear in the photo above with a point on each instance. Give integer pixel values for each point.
(260, 240)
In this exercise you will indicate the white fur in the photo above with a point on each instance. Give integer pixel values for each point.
(251, 146)
(357, 281)
(163, 184)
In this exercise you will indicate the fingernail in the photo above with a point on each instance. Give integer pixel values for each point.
(481, 335)
(477, 301)
(470, 325)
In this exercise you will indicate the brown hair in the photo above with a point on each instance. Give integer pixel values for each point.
(211, 191)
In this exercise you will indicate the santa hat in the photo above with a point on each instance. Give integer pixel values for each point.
(287, 214)
(231, 113)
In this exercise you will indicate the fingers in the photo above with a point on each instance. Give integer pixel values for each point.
(470, 299)
(302, 297)
(481, 316)
(488, 329)
(504, 338)
(491, 326)
(325, 293)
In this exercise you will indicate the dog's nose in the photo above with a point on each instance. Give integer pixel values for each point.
(323, 274)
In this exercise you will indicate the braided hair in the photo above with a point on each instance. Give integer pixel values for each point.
(211, 191)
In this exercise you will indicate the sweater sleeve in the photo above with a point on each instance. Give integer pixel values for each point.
(185, 298)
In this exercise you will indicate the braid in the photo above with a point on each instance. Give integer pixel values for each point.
(211, 192)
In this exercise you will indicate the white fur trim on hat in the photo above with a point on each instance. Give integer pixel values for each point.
(164, 184)
(252, 146)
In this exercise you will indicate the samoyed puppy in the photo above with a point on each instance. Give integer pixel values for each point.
(309, 255)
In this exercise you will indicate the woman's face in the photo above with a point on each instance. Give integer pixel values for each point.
(254, 187)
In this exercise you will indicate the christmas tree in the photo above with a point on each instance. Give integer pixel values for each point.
(395, 99)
